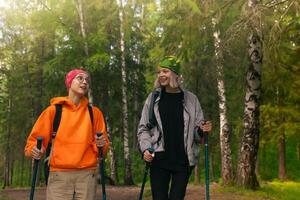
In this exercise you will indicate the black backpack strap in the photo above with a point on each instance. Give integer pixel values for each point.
(56, 121)
(152, 119)
(91, 113)
(55, 125)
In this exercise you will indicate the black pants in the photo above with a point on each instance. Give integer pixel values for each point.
(160, 180)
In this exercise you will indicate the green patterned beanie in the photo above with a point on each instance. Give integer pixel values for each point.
(172, 63)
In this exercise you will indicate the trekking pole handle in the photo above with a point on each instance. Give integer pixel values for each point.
(39, 142)
(151, 150)
(99, 134)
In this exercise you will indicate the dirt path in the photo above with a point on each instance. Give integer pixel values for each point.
(128, 193)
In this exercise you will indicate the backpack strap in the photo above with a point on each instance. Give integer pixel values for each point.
(56, 122)
(90, 107)
(57, 118)
(152, 119)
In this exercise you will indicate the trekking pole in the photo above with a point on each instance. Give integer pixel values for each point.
(35, 168)
(101, 169)
(206, 166)
(151, 150)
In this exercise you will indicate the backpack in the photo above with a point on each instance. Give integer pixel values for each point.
(56, 122)
(152, 119)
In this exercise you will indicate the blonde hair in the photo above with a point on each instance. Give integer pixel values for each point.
(176, 81)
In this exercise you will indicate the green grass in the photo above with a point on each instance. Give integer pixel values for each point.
(282, 190)
(274, 190)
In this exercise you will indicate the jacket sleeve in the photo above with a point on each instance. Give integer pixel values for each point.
(99, 125)
(143, 134)
(198, 119)
(42, 128)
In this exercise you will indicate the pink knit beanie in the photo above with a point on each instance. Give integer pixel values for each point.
(71, 75)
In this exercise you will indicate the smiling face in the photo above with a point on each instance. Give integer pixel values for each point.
(164, 76)
(80, 84)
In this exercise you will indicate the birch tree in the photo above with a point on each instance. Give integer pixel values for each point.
(249, 143)
(128, 172)
(226, 158)
(79, 7)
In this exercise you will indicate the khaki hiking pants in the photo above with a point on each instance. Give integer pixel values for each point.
(74, 185)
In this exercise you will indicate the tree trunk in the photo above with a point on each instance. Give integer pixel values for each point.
(128, 173)
(79, 7)
(112, 154)
(281, 156)
(226, 158)
(249, 143)
(135, 111)
(7, 159)
(113, 160)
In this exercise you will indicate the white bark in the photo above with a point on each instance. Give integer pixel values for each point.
(226, 158)
(111, 152)
(79, 7)
(246, 176)
(128, 174)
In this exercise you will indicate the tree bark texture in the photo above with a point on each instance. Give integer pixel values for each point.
(79, 7)
(246, 176)
(128, 180)
(226, 158)
(111, 152)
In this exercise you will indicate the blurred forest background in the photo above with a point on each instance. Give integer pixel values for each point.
(240, 57)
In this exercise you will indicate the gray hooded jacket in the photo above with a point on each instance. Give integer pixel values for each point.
(153, 138)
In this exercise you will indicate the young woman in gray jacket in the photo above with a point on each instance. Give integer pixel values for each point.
(172, 123)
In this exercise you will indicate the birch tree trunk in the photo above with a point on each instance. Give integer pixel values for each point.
(128, 173)
(226, 158)
(79, 7)
(111, 152)
(249, 143)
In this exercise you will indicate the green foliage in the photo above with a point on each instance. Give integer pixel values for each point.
(40, 41)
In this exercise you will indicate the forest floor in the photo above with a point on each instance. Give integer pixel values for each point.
(132, 193)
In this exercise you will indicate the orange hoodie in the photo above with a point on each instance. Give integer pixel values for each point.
(74, 145)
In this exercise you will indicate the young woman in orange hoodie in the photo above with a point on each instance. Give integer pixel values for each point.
(74, 152)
